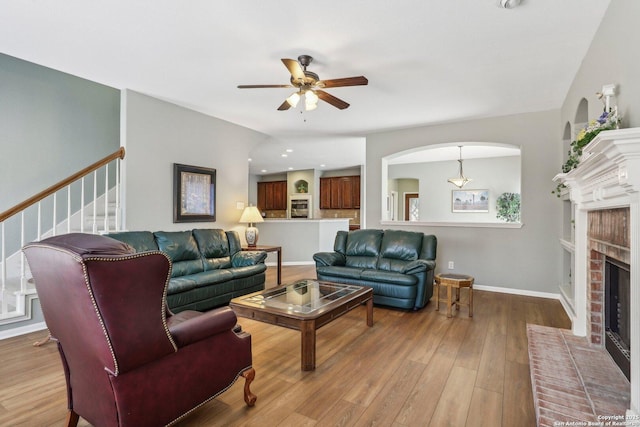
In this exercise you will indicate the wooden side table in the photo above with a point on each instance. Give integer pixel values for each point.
(456, 281)
(266, 248)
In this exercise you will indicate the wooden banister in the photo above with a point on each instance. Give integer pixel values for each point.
(60, 185)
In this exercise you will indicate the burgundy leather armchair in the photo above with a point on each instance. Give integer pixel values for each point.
(128, 361)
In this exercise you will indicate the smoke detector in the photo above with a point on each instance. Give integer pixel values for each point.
(509, 4)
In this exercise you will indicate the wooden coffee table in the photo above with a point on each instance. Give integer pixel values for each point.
(305, 306)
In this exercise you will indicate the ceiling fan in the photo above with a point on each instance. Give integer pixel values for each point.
(310, 86)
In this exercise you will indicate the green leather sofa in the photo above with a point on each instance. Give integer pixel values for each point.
(208, 266)
(398, 265)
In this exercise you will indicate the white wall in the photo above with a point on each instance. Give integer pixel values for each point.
(611, 59)
(157, 134)
(526, 258)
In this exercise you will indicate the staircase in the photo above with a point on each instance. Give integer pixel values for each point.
(86, 202)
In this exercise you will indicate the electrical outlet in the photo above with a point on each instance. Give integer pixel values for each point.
(450, 265)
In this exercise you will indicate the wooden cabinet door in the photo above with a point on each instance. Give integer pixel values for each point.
(336, 193)
(325, 193)
(280, 195)
(356, 192)
(272, 195)
(342, 192)
(346, 193)
(262, 196)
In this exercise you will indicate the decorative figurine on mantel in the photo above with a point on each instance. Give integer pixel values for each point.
(608, 120)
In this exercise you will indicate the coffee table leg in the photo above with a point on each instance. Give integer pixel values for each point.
(370, 312)
(308, 345)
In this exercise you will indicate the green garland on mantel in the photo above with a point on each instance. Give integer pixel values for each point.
(606, 121)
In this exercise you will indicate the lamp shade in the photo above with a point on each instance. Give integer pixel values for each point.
(461, 180)
(251, 215)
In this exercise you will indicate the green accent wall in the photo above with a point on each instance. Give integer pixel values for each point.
(52, 124)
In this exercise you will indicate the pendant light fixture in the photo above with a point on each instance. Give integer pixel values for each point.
(459, 181)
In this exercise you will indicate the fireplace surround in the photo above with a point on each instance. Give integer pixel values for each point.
(605, 190)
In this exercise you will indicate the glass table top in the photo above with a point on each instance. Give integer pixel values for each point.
(303, 296)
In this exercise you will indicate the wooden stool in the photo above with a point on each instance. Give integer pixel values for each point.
(456, 281)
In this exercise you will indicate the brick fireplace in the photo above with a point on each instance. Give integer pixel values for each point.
(609, 252)
(605, 188)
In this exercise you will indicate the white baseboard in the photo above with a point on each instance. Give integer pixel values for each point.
(513, 291)
(22, 330)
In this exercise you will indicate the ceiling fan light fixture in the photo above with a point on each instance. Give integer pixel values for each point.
(461, 180)
(310, 100)
(293, 99)
(311, 97)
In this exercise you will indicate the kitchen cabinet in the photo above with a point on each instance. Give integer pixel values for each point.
(340, 192)
(272, 196)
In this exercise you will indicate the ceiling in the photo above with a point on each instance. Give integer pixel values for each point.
(449, 152)
(427, 61)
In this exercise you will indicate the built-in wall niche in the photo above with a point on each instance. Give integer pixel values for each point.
(301, 186)
(566, 142)
(494, 167)
(582, 117)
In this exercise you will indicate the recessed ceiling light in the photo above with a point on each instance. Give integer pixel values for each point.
(289, 150)
(263, 170)
(283, 155)
(290, 168)
(323, 165)
(250, 159)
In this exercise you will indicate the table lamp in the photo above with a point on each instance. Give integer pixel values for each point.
(250, 216)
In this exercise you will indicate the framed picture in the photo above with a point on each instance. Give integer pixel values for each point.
(470, 200)
(194, 193)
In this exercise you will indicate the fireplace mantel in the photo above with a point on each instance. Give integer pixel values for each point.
(608, 176)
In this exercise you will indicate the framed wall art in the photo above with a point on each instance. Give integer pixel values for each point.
(194, 193)
(470, 200)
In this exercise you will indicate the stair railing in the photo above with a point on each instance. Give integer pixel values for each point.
(11, 308)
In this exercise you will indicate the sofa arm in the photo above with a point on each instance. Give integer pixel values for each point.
(418, 266)
(188, 327)
(248, 258)
(329, 258)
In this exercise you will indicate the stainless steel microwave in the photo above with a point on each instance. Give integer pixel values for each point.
(300, 207)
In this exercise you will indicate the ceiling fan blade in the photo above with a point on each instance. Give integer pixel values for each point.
(336, 102)
(346, 81)
(294, 68)
(285, 106)
(260, 86)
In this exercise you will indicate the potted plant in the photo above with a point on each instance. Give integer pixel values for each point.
(508, 207)
(607, 121)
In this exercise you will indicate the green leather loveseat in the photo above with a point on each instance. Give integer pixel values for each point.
(398, 265)
(208, 266)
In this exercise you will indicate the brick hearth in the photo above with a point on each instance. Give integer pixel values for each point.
(573, 381)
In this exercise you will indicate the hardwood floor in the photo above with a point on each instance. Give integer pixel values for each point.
(409, 369)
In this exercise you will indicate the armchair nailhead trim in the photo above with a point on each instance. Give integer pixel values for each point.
(162, 309)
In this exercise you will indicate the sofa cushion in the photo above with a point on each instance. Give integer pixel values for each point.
(141, 241)
(214, 247)
(181, 284)
(248, 258)
(212, 277)
(335, 271)
(363, 248)
(182, 248)
(247, 271)
(389, 277)
(398, 248)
